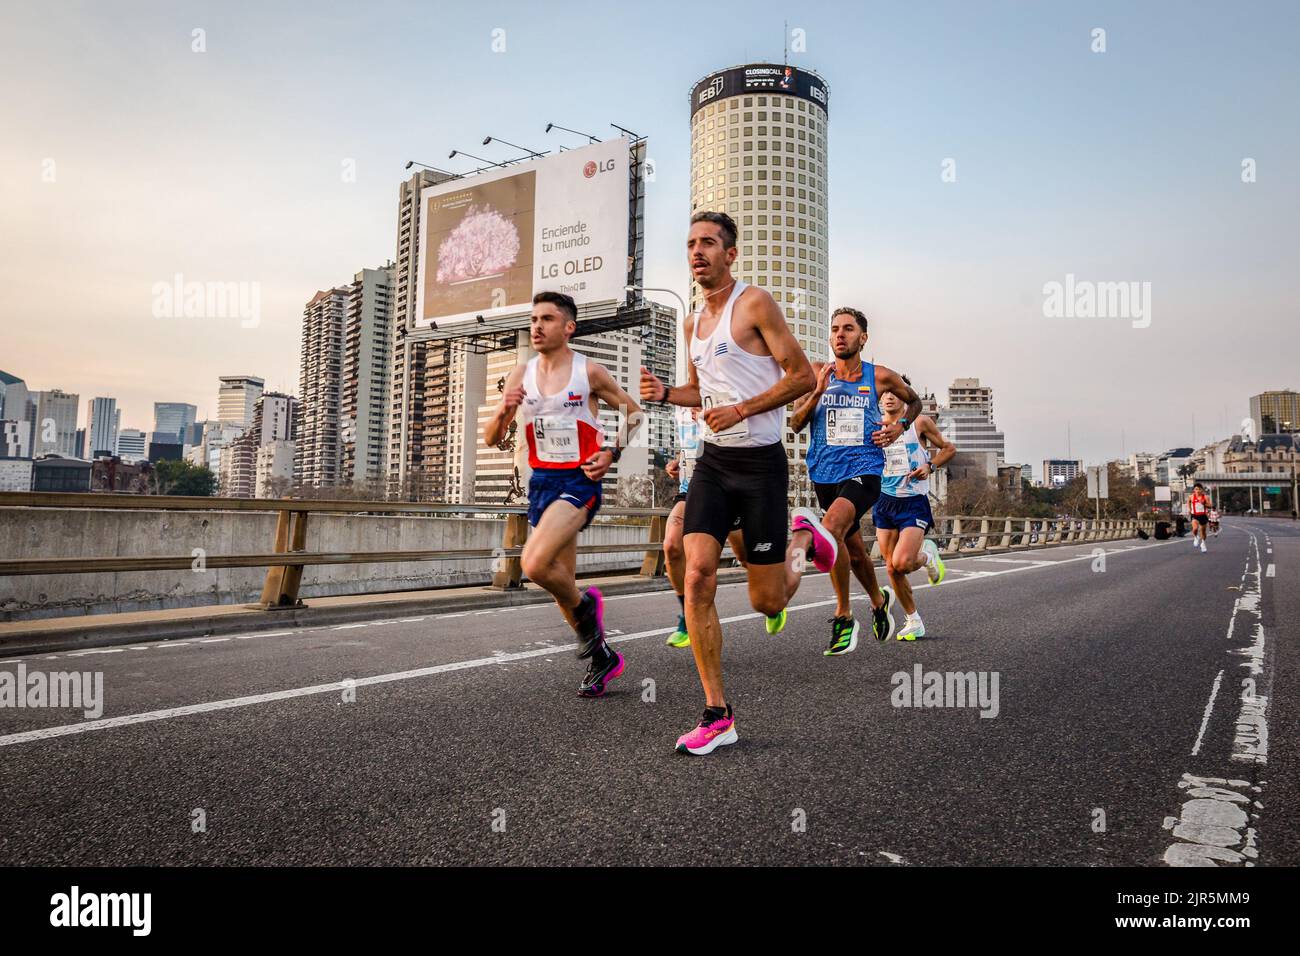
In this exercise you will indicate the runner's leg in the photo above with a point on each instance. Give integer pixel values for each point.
(550, 555)
(902, 558)
(702, 554)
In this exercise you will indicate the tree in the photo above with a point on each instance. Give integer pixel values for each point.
(183, 478)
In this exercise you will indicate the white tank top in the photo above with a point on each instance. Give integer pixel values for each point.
(560, 429)
(730, 375)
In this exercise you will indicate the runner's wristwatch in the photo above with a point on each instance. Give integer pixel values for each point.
(615, 451)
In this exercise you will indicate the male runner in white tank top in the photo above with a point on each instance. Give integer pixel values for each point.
(745, 367)
(557, 395)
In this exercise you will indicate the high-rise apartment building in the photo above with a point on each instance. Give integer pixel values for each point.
(236, 397)
(967, 419)
(367, 367)
(1060, 471)
(320, 384)
(406, 471)
(103, 418)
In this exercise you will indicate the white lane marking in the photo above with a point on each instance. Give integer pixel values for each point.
(172, 644)
(1250, 745)
(1217, 818)
(213, 640)
(96, 650)
(892, 857)
(1013, 561)
(1209, 707)
(1272, 570)
(106, 723)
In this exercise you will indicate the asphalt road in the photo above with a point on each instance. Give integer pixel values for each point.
(1122, 729)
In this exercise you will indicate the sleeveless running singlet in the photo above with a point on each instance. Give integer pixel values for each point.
(730, 375)
(902, 458)
(561, 430)
(846, 415)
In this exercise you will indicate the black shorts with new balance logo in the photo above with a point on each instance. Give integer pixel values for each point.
(745, 489)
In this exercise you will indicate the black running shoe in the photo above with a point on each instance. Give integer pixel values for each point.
(844, 636)
(882, 620)
(590, 616)
(600, 674)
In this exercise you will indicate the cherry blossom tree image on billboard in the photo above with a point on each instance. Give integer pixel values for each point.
(485, 243)
(479, 242)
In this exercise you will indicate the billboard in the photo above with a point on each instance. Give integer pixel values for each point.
(760, 78)
(490, 241)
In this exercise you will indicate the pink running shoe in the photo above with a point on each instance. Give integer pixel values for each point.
(824, 548)
(712, 733)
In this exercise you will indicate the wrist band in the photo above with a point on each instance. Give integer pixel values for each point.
(668, 390)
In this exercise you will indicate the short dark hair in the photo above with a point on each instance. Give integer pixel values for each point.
(723, 222)
(1198, 485)
(857, 316)
(565, 302)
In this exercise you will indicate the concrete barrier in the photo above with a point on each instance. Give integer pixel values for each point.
(89, 532)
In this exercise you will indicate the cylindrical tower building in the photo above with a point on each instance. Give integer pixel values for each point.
(758, 153)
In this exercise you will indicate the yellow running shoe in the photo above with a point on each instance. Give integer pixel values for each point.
(934, 570)
(679, 637)
(775, 625)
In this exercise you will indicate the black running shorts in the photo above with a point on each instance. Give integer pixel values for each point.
(743, 488)
(862, 492)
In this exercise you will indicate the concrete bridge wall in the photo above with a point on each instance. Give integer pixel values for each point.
(88, 532)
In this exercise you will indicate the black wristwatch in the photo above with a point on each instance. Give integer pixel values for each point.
(615, 451)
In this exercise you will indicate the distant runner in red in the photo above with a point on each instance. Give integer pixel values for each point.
(1198, 508)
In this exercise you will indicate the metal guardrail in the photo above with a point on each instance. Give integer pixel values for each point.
(957, 535)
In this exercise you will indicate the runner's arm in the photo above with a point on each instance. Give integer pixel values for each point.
(887, 380)
(928, 431)
(804, 408)
(511, 396)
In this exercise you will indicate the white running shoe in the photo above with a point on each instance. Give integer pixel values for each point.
(912, 629)
(1202, 547)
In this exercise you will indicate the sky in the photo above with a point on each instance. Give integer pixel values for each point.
(129, 157)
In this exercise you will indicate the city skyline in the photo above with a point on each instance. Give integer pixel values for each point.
(1153, 192)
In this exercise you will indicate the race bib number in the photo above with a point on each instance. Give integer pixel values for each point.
(844, 426)
(557, 439)
(736, 433)
(896, 462)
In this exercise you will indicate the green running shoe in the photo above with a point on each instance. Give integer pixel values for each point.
(844, 636)
(775, 625)
(679, 637)
(935, 570)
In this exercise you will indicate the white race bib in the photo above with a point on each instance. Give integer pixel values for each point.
(737, 432)
(557, 439)
(896, 461)
(844, 426)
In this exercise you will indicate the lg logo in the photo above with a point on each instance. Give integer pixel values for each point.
(592, 168)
